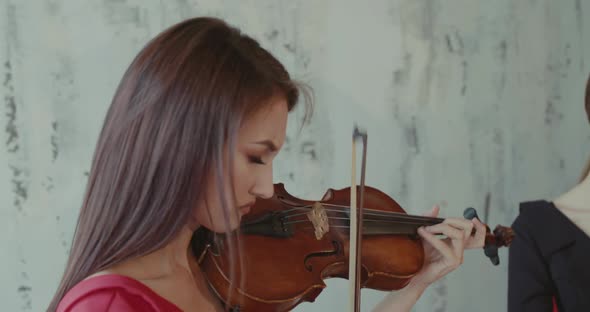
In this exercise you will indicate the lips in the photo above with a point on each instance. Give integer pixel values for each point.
(244, 209)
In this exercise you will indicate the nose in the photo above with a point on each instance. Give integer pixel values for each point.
(264, 187)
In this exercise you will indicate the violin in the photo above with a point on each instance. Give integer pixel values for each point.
(287, 246)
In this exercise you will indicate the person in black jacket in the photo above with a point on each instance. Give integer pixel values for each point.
(549, 258)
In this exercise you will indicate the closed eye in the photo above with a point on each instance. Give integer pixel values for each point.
(256, 160)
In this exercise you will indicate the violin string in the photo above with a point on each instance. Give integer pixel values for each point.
(310, 230)
(339, 210)
(367, 212)
(297, 214)
(396, 217)
(369, 219)
(365, 220)
(331, 226)
(308, 207)
(382, 213)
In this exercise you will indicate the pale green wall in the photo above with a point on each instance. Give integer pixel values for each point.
(462, 100)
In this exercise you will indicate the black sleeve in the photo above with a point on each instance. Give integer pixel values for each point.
(529, 283)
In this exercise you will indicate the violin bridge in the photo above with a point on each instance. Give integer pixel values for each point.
(318, 217)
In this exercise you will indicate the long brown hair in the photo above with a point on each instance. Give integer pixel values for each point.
(586, 170)
(178, 104)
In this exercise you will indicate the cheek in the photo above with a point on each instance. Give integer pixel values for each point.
(244, 177)
(212, 217)
(210, 213)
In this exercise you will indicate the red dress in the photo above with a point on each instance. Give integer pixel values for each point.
(113, 292)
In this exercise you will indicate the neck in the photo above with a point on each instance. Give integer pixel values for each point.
(170, 260)
(576, 198)
(586, 181)
(177, 252)
(376, 222)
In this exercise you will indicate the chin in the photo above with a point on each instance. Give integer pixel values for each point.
(221, 228)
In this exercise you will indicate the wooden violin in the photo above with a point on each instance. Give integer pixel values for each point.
(288, 246)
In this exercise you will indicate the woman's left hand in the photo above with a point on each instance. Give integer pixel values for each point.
(441, 257)
(444, 255)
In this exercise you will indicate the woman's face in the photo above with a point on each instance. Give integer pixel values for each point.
(259, 139)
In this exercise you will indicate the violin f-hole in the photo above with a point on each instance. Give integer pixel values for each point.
(337, 250)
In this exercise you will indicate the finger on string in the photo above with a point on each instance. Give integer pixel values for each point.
(479, 238)
(465, 225)
(438, 244)
(447, 230)
(456, 235)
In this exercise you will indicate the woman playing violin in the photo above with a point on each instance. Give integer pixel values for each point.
(189, 142)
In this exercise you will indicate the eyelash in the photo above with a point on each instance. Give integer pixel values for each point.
(256, 160)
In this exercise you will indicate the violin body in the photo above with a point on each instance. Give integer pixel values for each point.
(285, 254)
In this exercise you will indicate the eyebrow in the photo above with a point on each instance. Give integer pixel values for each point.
(269, 144)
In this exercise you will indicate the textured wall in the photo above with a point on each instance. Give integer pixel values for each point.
(467, 103)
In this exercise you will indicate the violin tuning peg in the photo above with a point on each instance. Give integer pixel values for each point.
(491, 251)
(470, 213)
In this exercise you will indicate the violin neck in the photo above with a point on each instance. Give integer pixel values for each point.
(400, 225)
